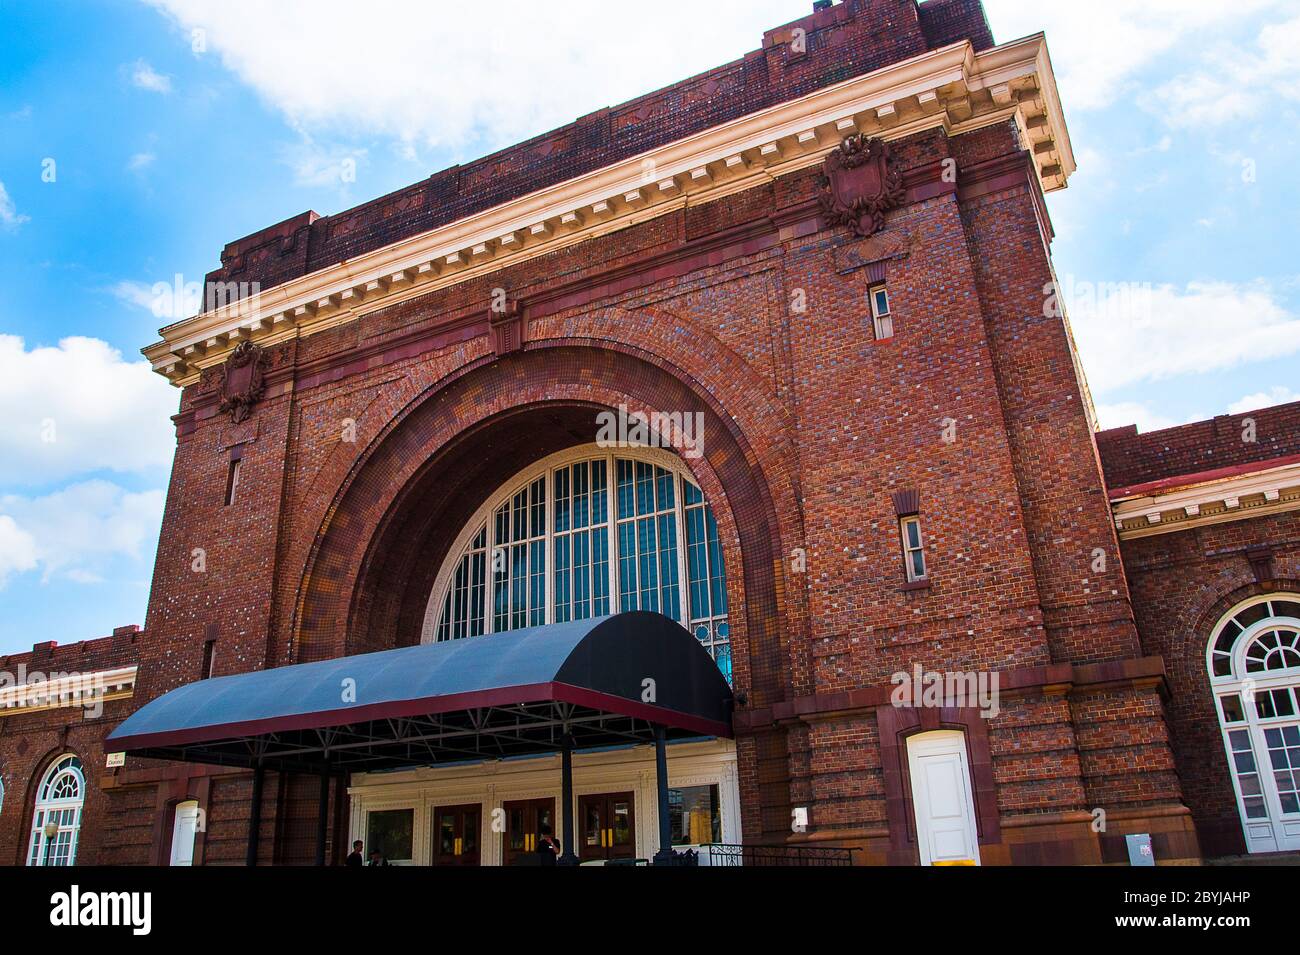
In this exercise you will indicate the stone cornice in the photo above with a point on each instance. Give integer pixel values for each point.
(953, 88)
(1164, 507)
(58, 689)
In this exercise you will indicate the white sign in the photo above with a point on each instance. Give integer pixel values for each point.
(115, 759)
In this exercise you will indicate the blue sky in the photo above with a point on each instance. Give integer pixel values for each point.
(136, 138)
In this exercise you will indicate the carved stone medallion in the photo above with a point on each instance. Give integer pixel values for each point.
(860, 183)
(243, 380)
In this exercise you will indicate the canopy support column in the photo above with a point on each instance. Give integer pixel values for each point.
(567, 857)
(255, 815)
(665, 854)
(322, 814)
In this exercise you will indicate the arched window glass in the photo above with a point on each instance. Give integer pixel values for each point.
(582, 534)
(2, 794)
(1253, 658)
(56, 821)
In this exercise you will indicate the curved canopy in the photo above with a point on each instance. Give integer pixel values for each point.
(605, 681)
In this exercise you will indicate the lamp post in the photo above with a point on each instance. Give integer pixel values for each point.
(568, 856)
(51, 831)
(665, 855)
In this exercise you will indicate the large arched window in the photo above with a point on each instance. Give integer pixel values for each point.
(1253, 659)
(581, 534)
(56, 822)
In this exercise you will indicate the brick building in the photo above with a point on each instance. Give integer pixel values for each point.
(822, 274)
(1206, 516)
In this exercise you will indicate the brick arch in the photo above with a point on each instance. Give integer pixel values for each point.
(433, 464)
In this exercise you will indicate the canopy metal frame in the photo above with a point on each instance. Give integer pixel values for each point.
(555, 689)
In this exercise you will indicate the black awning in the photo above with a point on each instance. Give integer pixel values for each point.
(604, 681)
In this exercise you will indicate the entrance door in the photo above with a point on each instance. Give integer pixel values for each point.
(1269, 800)
(184, 826)
(607, 827)
(524, 821)
(941, 798)
(455, 835)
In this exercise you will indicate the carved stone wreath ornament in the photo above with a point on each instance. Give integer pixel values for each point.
(860, 183)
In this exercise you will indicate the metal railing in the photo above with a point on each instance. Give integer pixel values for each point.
(718, 853)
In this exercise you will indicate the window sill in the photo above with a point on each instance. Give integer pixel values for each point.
(912, 585)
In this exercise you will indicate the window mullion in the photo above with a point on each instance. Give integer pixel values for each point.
(1263, 764)
(548, 537)
(683, 578)
(611, 513)
(490, 603)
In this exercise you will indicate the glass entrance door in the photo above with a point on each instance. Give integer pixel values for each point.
(524, 821)
(607, 827)
(455, 835)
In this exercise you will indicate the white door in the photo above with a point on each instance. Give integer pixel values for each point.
(183, 830)
(941, 798)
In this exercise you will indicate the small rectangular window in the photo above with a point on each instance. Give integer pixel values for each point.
(913, 554)
(232, 481)
(1231, 706)
(880, 316)
(1270, 704)
(209, 654)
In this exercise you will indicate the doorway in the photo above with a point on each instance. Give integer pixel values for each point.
(524, 821)
(456, 835)
(941, 798)
(606, 827)
(185, 825)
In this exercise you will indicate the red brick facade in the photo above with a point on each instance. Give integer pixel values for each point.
(29, 741)
(1184, 582)
(813, 429)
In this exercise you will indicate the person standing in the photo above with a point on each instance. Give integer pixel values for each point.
(355, 860)
(548, 848)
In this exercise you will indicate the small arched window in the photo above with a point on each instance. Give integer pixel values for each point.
(585, 533)
(56, 820)
(1253, 658)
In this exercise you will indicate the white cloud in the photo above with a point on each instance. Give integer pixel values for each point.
(17, 549)
(1133, 412)
(79, 407)
(140, 161)
(1096, 47)
(315, 165)
(145, 77)
(165, 301)
(135, 294)
(1129, 332)
(10, 218)
(78, 532)
(503, 70)
(1236, 83)
(1277, 395)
